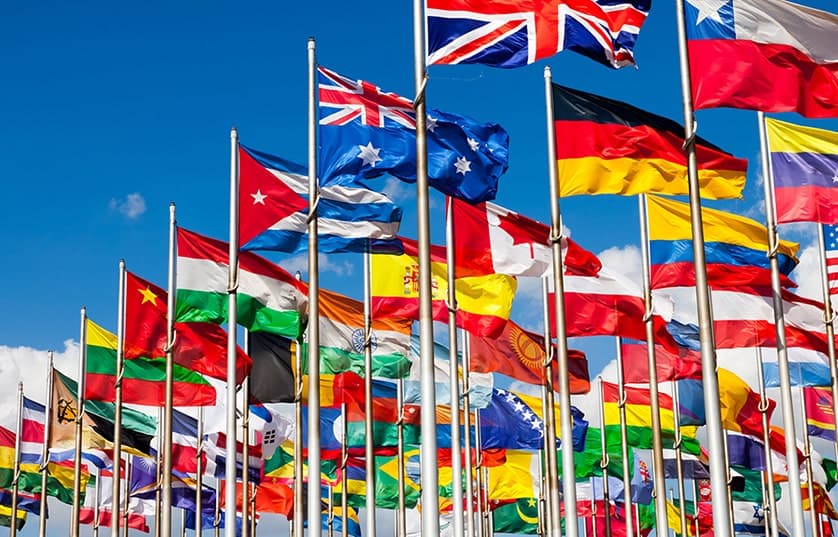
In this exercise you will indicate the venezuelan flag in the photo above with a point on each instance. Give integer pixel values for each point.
(804, 165)
(605, 146)
(736, 248)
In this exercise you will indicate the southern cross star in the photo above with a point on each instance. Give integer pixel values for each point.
(369, 154)
(432, 123)
(463, 166)
(473, 144)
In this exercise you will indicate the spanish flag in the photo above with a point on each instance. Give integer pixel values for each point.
(484, 301)
(605, 146)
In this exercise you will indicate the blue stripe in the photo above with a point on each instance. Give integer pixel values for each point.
(184, 424)
(681, 251)
(34, 406)
(293, 242)
(357, 212)
(276, 163)
(826, 434)
(799, 169)
(802, 374)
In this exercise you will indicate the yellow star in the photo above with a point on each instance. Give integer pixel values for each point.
(531, 502)
(148, 296)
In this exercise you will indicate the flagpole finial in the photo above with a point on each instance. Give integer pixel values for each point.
(548, 73)
(234, 132)
(311, 42)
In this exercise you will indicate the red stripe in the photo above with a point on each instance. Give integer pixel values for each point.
(718, 275)
(772, 78)
(756, 333)
(32, 431)
(807, 204)
(386, 307)
(100, 387)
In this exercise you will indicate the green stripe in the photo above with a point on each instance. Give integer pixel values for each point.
(31, 482)
(103, 362)
(131, 419)
(208, 307)
(641, 437)
(384, 434)
(334, 360)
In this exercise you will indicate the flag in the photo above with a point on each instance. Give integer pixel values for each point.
(670, 365)
(143, 380)
(484, 302)
(736, 248)
(605, 146)
(516, 478)
(342, 339)
(822, 502)
(806, 367)
(198, 346)
(768, 55)
(365, 133)
(820, 418)
(272, 375)
(491, 239)
(740, 405)
(804, 165)
(691, 466)
(6, 517)
(138, 509)
(580, 424)
(642, 484)
(830, 234)
(513, 34)
(749, 518)
(268, 298)
(587, 463)
(273, 210)
(26, 501)
(520, 354)
(519, 516)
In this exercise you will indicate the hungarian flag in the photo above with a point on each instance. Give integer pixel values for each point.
(520, 354)
(491, 239)
(199, 346)
(604, 146)
(484, 302)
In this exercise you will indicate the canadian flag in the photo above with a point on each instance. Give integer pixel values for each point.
(490, 239)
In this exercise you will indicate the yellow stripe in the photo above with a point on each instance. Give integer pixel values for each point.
(669, 220)
(594, 175)
(641, 416)
(6, 511)
(789, 138)
(516, 478)
(99, 337)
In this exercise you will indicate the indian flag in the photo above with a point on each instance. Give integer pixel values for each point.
(269, 299)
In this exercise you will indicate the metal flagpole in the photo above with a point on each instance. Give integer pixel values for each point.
(158, 472)
(682, 505)
(829, 317)
(16, 479)
(710, 380)
(117, 416)
(330, 516)
(454, 376)
(594, 512)
(42, 520)
(545, 524)
(166, 472)
(795, 496)
(232, 285)
(253, 512)
(807, 456)
(603, 463)
(96, 500)
(568, 485)
(766, 440)
(428, 455)
(478, 465)
(654, 398)
(126, 500)
(401, 518)
(369, 453)
(469, 495)
(74, 519)
(552, 492)
(621, 389)
(729, 496)
(344, 458)
(299, 512)
(313, 304)
(246, 446)
(199, 477)
(217, 520)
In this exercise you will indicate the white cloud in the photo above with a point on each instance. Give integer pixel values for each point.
(397, 190)
(325, 263)
(131, 206)
(625, 261)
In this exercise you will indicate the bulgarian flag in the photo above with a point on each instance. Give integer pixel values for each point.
(144, 379)
(269, 299)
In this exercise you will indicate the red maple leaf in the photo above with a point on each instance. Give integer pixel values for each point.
(524, 230)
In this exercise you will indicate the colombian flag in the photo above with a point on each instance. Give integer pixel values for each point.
(605, 146)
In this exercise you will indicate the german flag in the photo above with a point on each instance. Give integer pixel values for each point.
(605, 146)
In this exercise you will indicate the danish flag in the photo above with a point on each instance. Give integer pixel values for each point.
(343, 101)
(513, 33)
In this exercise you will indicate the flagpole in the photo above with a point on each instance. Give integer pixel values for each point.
(313, 303)
(544, 495)
(469, 495)
(829, 317)
(96, 500)
(199, 477)
(766, 440)
(795, 496)
(478, 466)
(568, 485)
(74, 519)
(126, 502)
(16, 479)
(117, 416)
(428, 456)
(369, 453)
(728, 491)
(42, 520)
(158, 472)
(217, 520)
(654, 397)
(454, 375)
(246, 445)
(166, 457)
(807, 455)
(401, 518)
(553, 503)
(603, 462)
(715, 439)
(676, 413)
(621, 390)
(299, 512)
(344, 458)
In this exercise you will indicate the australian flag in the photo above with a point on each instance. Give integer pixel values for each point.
(514, 33)
(366, 133)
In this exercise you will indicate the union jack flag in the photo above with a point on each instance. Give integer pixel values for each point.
(513, 33)
(343, 101)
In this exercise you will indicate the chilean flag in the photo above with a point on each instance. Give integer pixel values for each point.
(768, 55)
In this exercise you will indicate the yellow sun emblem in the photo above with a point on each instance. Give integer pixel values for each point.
(528, 351)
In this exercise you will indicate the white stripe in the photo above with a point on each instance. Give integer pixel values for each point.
(342, 228)
(811, 31)
(613, 284)
(348, 194)
(338, 335)
(769, 354)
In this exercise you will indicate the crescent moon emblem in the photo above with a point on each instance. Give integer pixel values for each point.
(528, 519)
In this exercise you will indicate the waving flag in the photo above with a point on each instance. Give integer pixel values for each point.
(513, 33)
(366, 133)
(830, 233)
(768, 55)
(273, 210)
(820, 418)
